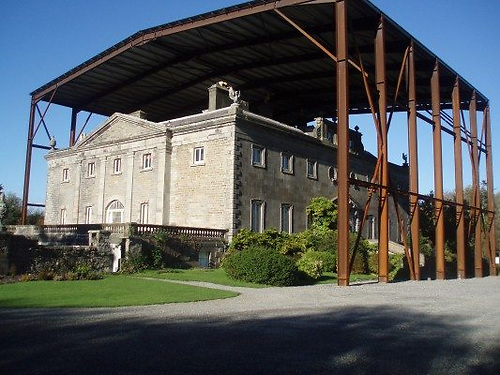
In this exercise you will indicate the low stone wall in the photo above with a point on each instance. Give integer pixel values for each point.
(28, 249)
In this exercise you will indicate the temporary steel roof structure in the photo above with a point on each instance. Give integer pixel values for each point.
(301, 57)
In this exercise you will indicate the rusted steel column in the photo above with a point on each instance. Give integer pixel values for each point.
(491, 197)
(438, 172)
(343, 142)
(27, 167)
(72, 132)
(383, 244)
(476, 200)
(459, 185)
(413, 151)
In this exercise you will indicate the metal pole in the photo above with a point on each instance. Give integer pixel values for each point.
(438, 172)
(72, 132)
(476, 200)
(27, 167)
(413, 151)
(491, 197)
(383, 244)
(459, 185)
(343, 142)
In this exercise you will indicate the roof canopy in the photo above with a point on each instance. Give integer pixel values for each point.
(166, 70)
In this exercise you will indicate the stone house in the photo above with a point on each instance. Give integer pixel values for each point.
(224, 168)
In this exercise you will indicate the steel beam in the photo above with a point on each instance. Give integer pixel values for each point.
(476, 200)
(72, 131)
(343, 141)
(491, 197)
(459, 185)
(438, 172)
(413, 151)
(27, 167)
(380, 72)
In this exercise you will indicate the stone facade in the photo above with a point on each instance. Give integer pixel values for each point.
(225, 168)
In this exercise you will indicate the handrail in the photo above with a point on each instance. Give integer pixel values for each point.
(128, 229)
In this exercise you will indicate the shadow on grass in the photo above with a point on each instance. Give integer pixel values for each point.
(357, 340)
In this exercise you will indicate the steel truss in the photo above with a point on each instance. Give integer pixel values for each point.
(381, 106)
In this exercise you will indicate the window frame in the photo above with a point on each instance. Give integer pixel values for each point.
(63, 216)
(289, 158)
(147, 161)
(117, 165)
(314, 164)
(88, 214)
(144, 213)
(261, 151)
(65, 175)
(257, 219)
(289, 214)
(199, 155)
(90, 169)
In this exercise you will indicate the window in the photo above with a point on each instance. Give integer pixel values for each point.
(286, 163)
(312, 169)
(287, 218)
(199, 155)
(144, 214)
(117, 166)
(258, 156)
(333, 174)
(91, 169)
(147, 161)
(88, 215)
(114, 212)
(65, 175)
(257, 216)
(62, 219)
(371, 228)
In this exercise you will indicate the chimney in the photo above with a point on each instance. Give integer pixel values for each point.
(218, 96)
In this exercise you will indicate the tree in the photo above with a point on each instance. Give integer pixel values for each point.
(13, 212)
(323, 213)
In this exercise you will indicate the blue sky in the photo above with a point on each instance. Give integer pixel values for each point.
(40, 40)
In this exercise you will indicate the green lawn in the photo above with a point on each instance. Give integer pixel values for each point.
(112, 291)
(331, 278)
(216, 276)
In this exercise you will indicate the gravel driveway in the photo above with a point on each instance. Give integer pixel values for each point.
(427, 327)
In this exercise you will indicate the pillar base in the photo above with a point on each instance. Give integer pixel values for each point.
(343, 282)
(478, 272)
(440, 276)
(383, 279)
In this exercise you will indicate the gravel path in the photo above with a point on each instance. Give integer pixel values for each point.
(427, 327)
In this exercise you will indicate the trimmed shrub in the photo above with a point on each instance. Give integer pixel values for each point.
(245, 238)
(314, 263)
(261, 265)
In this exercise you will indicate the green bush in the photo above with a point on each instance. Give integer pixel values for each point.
(315, 263)
(396, 264)
(261, 265)
(245, 238)
(323, 213)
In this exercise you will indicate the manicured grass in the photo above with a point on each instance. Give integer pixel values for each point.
(216, 276)
(112, 291)
(331, 278)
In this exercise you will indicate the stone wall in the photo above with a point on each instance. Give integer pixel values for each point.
(274, 187)
(122, 137)
(201, 192)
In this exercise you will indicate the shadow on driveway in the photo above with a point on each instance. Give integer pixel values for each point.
(357, 340)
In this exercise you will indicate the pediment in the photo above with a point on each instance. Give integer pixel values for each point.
(120, 128)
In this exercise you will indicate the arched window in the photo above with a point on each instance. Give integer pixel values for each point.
(114, 212)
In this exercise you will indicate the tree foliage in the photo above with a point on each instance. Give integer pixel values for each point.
(323, 212)
(13, 213)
